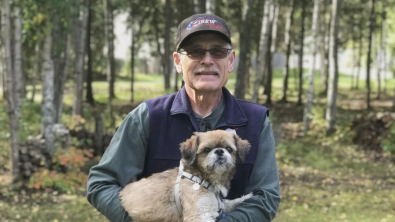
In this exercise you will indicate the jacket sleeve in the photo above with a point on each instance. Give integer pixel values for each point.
(122, 161)
(264, 177)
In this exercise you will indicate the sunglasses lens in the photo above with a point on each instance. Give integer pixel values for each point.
(197, 54)
(219, 53)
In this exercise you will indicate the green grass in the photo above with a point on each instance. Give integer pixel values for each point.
(322, 178)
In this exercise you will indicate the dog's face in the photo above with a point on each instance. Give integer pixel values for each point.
(214, 151)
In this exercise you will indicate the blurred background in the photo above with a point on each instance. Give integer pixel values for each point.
(71, 70)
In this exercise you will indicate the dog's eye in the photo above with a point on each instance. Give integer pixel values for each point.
(229, 149)
(207, 150)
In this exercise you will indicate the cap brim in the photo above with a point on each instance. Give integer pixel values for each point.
(226, 38)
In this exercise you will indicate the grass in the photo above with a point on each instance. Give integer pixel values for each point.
(322, 178)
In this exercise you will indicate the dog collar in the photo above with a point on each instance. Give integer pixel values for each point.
(205, 184)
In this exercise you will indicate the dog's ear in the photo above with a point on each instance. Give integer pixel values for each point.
(243, 147)
(189, 149)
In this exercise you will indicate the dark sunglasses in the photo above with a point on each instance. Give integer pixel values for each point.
(198, 54)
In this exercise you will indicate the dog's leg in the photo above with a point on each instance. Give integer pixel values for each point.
(201, 209)
(229, 205)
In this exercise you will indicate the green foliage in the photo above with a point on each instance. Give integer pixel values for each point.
(66, 174)
(388, 141)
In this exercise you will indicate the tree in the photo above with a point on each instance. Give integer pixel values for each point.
(383, 45)
(89, 93)
(12, 109)
(210, 6)
(48, 105)
(80, 62)
(264, 49)
(288, 41)
(109, 29)
(324, 46)
(334, 72)
(244, 50)
(369, 59)
(301, 47)
(310, 92)
(199, 6)
(167, 44)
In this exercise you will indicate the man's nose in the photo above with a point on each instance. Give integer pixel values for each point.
(207, 59)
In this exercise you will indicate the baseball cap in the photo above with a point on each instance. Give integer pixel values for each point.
(201, 23)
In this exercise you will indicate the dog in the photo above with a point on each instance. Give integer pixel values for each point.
(194, 191)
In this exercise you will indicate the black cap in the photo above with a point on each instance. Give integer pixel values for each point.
(201, 23)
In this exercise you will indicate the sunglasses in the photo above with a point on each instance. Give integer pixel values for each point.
(198, 54)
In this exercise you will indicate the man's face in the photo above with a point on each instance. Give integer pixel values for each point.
(205, 74)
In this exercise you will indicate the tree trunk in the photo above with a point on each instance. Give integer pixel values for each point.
(301, 47)
(276, 12)
(378, 66)
(244, 50)
(333, 74)
(11, 103)
(383, 62)
(269, 73)
(48, 106)
(324, 48)
(2, 69)
(89, 93)
(263, 50)
(167, 44)
(369, 59)
(109, 28)
(210, 6)
(62, 80)
(199, 6)
(80, 64)
(360, 45)
(132, 53)
(354, 50)
(310, 92)
(288, 41)
(17, 62)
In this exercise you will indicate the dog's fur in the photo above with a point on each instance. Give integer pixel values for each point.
(152, 199)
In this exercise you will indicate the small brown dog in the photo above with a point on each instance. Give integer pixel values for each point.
(195, 190)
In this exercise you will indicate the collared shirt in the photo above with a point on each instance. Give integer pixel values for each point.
(121, 163)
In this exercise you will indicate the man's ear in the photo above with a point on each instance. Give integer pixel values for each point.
(177, 62)
(231, 61)
(243, 147)
(189, 149)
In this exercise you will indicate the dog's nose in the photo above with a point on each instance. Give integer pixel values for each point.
(219, 152)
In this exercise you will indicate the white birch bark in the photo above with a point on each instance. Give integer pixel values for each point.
(210, 6)
(17, 62)
(12, 117)
(307, 115)
(79, 65)
(48, 106)
(63, 78)
(384, 43)
(263, 50)
(333, 73)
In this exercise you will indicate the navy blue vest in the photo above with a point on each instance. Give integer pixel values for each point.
(172, 122)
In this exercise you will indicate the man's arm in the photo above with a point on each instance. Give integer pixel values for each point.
(122, 162)
(264, 177)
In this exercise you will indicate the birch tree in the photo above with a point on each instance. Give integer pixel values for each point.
(330, 115)
(17, 60)
(48, 105)
(199, 6)
(89, 93)
(109, 31)
(288, 41)
(244, 50)
(210, 6)
(80, 62)
(310, 92)
(263, 50)
(10, 92)
(369, 59)
(383, 45)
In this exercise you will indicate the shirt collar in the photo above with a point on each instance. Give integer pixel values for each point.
(233, 114)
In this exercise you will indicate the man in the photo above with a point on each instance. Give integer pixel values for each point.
(148, 139)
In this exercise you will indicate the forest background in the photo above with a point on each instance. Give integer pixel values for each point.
(324, 68)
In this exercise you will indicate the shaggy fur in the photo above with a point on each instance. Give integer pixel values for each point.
(211, 156)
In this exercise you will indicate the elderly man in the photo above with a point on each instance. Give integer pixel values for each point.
(148, 139)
